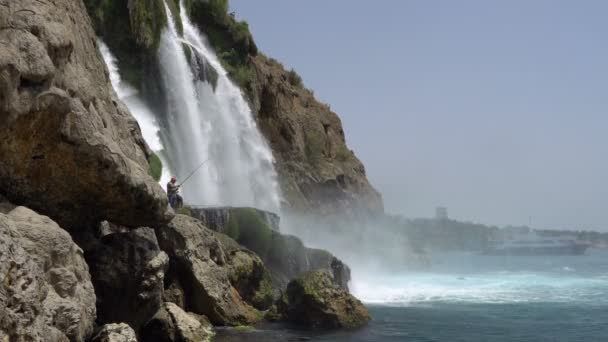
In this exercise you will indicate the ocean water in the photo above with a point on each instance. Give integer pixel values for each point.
(472, 298)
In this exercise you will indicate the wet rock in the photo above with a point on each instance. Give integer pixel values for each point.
(115, 332)
(285, 256)
(248, 274)
(199, 263)
(46, 292)
(128, 270)
(172, 324)
(315, 301)
(69, 148)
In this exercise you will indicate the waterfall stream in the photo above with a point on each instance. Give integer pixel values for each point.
(205, 119)
(142, 113)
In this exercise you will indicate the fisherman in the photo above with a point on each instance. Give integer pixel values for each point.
(175, 200)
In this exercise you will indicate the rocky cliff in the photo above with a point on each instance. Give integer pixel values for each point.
(317, 170)
(68, 147)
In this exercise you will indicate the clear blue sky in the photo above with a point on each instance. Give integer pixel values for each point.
(497, 110)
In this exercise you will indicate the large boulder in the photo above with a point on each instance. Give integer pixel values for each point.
(172, 324)
(198, 262)
(315, 301)
(46, 292)
(128, 271)
(115, 332)
(69, 147)
(248, 274)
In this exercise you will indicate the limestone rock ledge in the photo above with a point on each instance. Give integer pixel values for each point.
(46, 292)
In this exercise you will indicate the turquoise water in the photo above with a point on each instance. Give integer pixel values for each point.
(473, 298)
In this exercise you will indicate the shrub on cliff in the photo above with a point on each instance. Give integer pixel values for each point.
(155, 167)
(294, 79)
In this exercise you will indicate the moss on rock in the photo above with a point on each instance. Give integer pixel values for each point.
(155, 166)
(313, 300)
(249, 228)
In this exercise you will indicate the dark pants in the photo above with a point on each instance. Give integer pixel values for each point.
(176, 201)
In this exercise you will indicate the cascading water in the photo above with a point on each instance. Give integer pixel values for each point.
(211, 122)
(142, 113)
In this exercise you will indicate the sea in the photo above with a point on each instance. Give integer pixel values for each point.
(466, 297)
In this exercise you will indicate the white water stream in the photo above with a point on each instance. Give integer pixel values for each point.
(202, 124)
(142, 113)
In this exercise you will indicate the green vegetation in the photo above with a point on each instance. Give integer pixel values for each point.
(343, 154)
(185, 211)
(315, 145)
(155, 166)
(231, 38)
(132, 36)
(250, 229)
(148, 18)
(244, 327)
(264, 295)
(294, 79)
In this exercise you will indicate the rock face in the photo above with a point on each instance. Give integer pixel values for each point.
(198, 265)
(172, 324)
(284, 255)
(315, 301)
(46, 292)
(248, 274)
(69, 147)
(218, 218)
(115, 333)
(128, 270)
(316, 168)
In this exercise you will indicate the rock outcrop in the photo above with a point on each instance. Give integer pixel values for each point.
(284, 255)
(315, 301)
(115, 332)
(45, 289)
(218, 218)
(316, 169)
(172, 324)
(69, 148)
(248, 274)
(198, 265)
(128, 271)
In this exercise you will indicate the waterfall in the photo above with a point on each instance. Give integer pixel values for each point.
(142, 113)
(205, 121)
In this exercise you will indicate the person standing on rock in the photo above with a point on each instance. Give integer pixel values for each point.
(175, 200)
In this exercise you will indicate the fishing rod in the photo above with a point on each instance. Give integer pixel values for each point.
(192, 173)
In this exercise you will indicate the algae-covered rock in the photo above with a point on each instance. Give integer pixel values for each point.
(199, 262)
(285, 256)
(248, 274)
(172, 324)
(313, 300)
(69, 148)
(46, 292)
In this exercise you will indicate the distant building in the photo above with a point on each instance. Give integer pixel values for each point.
(441, 213)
